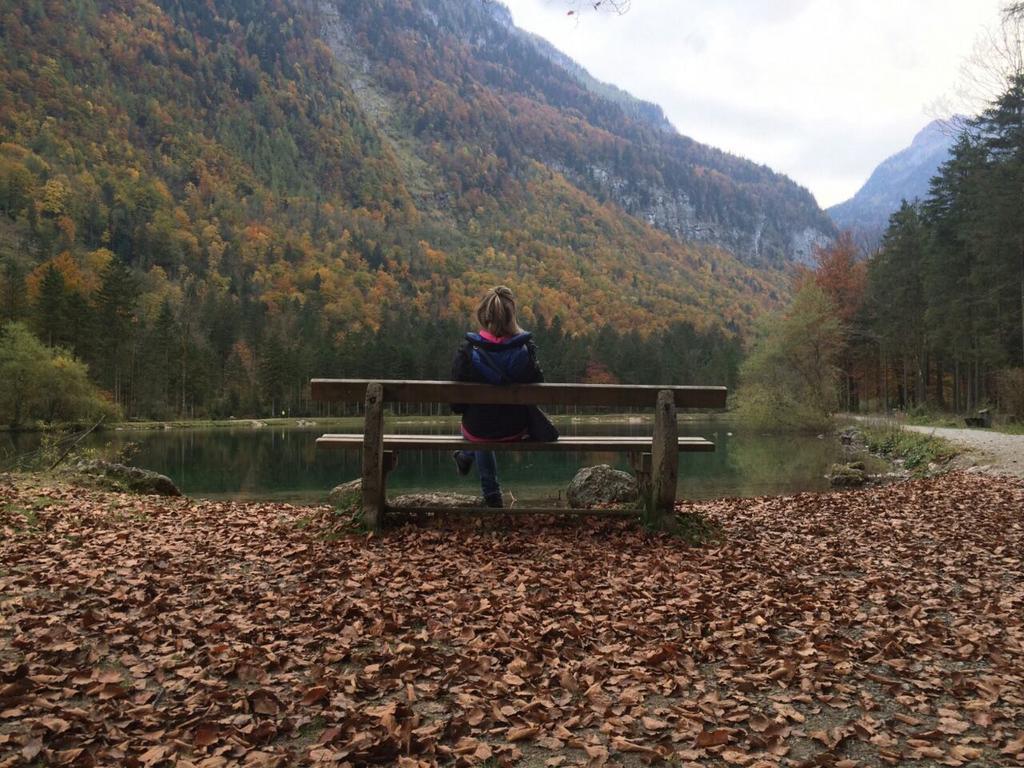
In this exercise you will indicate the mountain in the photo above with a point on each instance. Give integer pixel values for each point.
(904, 176)
(212, 200)
(542, 105)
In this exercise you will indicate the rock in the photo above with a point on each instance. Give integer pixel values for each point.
(847, 475)
(348, 494)
(851, 436)
(345, 494)
(121, 477)
(601, 485)
(435, 500)
(305, 423)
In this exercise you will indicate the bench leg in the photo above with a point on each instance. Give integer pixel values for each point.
(373, 458)
(664, 460)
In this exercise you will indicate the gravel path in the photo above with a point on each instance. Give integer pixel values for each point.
(993, 452)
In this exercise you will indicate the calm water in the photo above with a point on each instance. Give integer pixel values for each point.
(283, 464)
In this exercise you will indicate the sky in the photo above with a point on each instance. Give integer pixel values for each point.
(821, 90)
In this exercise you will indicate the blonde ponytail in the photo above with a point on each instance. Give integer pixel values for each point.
(497, 312)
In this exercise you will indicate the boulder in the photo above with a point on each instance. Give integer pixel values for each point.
(348, 494)
(847, 475)
(435, 500)
(345, 494)
(851, 436)
(121, 477)
(598, 485)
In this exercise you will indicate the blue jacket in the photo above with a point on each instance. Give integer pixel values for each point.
(509, 361)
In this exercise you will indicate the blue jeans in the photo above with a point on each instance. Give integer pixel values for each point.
(487, 466)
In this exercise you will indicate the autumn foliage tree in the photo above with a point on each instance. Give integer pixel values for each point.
(841, 274)
(790, 378)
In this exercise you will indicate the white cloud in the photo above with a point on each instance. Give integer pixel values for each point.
(822, 90)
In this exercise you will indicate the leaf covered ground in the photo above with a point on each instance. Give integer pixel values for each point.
(878, 627)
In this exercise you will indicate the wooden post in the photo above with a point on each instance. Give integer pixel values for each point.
(641, 463)
(664, 459)
(373, 457)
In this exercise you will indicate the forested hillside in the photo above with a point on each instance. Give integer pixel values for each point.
(210, 202)
(459, 72)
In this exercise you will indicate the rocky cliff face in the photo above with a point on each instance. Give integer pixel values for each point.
(755, 236)
(903, 176)
(607, 143)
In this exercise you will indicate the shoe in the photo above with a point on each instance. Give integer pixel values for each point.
(494, 501)
(462, 464)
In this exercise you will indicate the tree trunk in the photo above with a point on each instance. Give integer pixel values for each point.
(956, 385)
(184, 342)
(885, 384)
(905, 395)
(921, 385)
(978, 391)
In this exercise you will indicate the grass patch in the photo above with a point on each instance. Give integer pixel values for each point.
(41, 502)
(1009, 428)
(24, 519)
(118, 515)
(955, 421)
(935, 420)
(28, 512)
(311, 731)
(915, 450)
(692, 528)
(695, 529)
(349, 509)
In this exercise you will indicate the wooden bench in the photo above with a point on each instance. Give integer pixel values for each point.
(983, 419)
(655, 458)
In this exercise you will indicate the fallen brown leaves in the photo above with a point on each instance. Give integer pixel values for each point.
(854, 629)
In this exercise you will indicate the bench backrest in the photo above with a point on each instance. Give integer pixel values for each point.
(615, 395)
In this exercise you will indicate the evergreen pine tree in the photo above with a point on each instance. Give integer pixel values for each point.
(115, 318)
(51, 307)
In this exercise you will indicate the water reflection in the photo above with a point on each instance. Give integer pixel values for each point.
(283, 464)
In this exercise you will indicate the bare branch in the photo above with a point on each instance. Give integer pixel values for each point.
(618, 7)
(996, 59)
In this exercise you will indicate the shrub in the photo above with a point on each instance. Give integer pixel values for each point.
(915, 449)
(41, 383)
(1010, 389)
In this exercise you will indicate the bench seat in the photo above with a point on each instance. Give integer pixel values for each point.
(455, 442)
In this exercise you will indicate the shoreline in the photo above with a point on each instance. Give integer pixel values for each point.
(978, 450)
(310, 422)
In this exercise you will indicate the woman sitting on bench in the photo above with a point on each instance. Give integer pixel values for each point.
(499, 353)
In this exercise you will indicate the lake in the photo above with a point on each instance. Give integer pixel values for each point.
(282, 464)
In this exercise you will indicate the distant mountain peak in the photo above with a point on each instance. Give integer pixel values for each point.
(904, 175)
